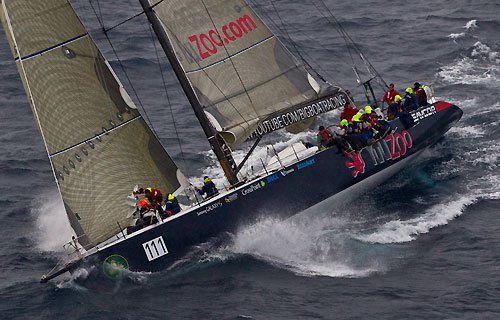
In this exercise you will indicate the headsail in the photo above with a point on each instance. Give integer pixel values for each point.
(241, 73)
(97, 141)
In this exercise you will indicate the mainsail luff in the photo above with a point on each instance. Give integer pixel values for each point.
(97, 142)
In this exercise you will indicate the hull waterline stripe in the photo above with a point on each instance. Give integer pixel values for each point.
(51, 48)
(94, 137)
(229, 57)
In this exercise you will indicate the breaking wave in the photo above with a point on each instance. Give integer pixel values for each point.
(471, 25)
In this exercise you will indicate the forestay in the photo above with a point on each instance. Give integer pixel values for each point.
(241, 73)
(98, 143)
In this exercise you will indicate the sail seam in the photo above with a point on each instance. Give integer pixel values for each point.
(94, 137)
(231, 56)
(52, 47)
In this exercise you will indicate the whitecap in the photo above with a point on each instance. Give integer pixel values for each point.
(468, 131)
(455, 36)
(471, 25)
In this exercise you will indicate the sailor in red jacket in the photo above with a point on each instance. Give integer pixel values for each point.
(324, 138)
(348, 112)
(390, 95)
(154, 197)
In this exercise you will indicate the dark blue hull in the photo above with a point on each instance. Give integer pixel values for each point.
(309, 182)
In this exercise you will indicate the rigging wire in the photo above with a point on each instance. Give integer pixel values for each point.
(123, 67)
(124, 21)
(354, 44)
(289, 41)
(294, 44)
(128, 19)
(168, 97)
(339, 29)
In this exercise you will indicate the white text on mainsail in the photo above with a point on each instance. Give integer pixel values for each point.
(294, 116)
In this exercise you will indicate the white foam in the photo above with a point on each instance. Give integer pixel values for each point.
(68, 280)
(399, 231)
(456, 36)
(52, 229)
(482, 50)
(312, 248)
(468, 71)
(468, 131)
(472, 24)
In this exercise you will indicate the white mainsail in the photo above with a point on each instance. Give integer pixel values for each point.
(98, 144)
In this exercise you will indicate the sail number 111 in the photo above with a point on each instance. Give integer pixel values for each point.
(155, 248)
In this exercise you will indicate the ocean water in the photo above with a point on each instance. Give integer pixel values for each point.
(424, 244)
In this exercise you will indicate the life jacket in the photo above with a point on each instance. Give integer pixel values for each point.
(326, 135)
(421, 97)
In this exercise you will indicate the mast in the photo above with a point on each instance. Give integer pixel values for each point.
(221, 150)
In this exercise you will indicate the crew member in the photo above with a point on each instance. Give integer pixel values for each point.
(394, 108)
(172, 205)
(348, 112)
(351, 136)
(146, 217)
(154, 197)
(365, 129)
(383, 127)
(420, 94)
(390, 95)
(410, 101)
(340, 135)
(208, 188)
(324, 138)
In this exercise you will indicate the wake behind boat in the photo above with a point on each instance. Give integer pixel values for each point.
(241, 82)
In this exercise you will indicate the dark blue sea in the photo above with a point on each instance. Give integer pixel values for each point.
(425, 244)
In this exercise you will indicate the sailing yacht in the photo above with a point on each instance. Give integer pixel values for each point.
(242, 84)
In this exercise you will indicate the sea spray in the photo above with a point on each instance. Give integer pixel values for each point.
(52, 229)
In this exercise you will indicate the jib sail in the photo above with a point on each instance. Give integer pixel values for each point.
(98, 144)
(241, 73)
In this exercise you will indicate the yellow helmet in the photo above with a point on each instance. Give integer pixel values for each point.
(207, 179)
(368, 109)
(409, 90)
(344, 123)
(170, 197)
(148, 189)
(397, 98)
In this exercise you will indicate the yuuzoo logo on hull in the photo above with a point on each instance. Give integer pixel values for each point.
(115, 267)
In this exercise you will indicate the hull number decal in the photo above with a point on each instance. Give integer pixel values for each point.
(155, 248)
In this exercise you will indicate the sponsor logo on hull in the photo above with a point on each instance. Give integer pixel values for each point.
(423, 113)
(391, 147)
(209, 208)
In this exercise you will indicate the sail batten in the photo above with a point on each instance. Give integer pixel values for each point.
(52, 48)
(98, 144)
(96, 137)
